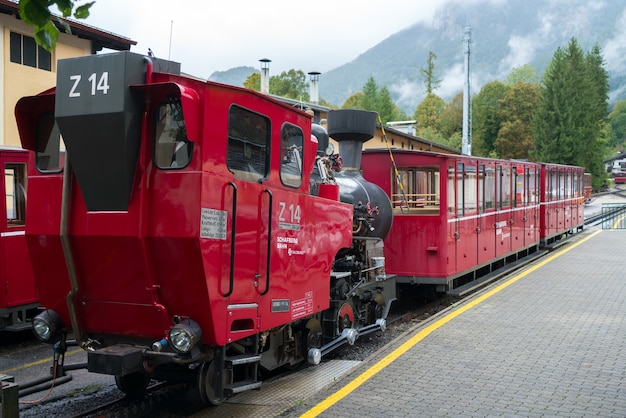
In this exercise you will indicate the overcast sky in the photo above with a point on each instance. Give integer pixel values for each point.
(216, 35)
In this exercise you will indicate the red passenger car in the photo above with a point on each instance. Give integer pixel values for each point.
(191, 244)
(18, 296)
(563, 201)
(455, 216)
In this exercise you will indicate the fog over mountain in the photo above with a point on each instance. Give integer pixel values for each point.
(505, 35)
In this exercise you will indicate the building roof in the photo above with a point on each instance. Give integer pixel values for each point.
(619, 156)
(99, 38)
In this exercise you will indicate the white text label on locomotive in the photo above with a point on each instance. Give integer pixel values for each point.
(302, 307)
(213, 224)
(289, 216)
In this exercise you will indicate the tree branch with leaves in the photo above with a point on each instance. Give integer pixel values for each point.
(37, 14)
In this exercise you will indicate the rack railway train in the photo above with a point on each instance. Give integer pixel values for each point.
(186, 230)
(18, 295)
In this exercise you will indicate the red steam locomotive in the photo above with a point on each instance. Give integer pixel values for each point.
(18, 297)
(191, 231)
(206, 233)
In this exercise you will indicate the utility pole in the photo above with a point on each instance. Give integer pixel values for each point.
(466, 148)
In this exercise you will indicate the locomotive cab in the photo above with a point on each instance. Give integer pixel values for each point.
(177, 235)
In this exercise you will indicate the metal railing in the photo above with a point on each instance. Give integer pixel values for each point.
(613, 216)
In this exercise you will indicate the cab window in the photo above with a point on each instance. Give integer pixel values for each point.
(49, 145)
(291, 155)
(172, 148)
(248, 144)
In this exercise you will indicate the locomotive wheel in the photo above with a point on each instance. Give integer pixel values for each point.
(345, 318)
(133, 385)
(205, 384)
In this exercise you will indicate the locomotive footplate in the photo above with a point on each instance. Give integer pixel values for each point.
(117, 360)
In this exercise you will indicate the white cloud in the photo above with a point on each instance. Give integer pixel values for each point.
(206, 37)
(614, 50)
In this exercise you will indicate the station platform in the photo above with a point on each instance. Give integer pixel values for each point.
(548, 341)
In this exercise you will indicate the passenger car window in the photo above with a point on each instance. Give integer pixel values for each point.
(15, 187)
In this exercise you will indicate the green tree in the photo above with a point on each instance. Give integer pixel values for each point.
(431, 82)
(428, 113)
(354, 101)
(515, 111)
(291, 84)
(451, 121)
(485, 120)
(569, 124)
(523, 74)
(253, 82)
(369, 101)
(37, 13)
(378, 100)
(617, 126)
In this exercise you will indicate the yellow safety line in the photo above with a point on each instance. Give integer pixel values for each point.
(38, 362)
(359, 380)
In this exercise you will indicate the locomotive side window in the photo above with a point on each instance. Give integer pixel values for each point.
(248, 144)
(420, 192)
(172, 148)
(291, 141)
(49, 156)
(15, 190)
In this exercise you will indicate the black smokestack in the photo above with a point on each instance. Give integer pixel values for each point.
(351, 128)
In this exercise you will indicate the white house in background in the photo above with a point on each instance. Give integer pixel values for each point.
(616, 164)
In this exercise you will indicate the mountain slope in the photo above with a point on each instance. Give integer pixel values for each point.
(505, 35)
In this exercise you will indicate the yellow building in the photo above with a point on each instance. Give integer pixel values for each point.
(28, 69)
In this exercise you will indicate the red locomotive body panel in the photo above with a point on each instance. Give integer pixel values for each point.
(17, 282)
(454, 214)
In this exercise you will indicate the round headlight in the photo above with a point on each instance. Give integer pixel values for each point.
(185, 335)
(47, 326)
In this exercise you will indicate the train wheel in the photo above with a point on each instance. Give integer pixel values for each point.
(133, 385)
(206, 386)
(345, 318)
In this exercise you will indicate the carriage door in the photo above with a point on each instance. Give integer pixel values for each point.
(454, 202)
(518, 215)
(503, 213)
(486, 211)
(531, 208)
(567, 198)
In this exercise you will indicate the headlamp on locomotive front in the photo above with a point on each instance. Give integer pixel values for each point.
(47, 326)
(185, 335)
